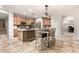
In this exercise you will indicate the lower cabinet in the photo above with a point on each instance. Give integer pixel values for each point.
(27, 35)
(15, 33)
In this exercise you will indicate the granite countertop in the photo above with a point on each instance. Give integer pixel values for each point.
(31, 29)
(25, 29)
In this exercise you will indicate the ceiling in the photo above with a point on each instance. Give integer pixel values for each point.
(38, 10)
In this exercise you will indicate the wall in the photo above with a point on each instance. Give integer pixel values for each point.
(53, 22)
(56, 23)
(10, 26)
(58, 20)
(7, 27)
(76, 25)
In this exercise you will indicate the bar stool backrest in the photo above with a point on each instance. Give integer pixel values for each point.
(52, 32)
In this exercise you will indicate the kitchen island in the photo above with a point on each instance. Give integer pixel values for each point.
(26, 35)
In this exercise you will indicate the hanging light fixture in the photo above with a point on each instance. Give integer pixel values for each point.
(46, 12)
(46, 18)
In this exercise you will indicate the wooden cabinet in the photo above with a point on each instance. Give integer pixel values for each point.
(26, 35)
(15, 32)
(30, 21)
(17, 20)
(22, 20)
(46, 22)
(2, 26)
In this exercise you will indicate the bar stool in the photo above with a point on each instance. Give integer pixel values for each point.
(52, 37)
(41, 40)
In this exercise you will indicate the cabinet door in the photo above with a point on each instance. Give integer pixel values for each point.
(46, 22)
(17, 20)
(22, 20)
(20, 35)
(2, 25)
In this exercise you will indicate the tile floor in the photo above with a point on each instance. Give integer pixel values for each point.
(65, 44)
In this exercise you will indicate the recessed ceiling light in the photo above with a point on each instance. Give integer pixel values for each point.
(65, 22)
(69, 18)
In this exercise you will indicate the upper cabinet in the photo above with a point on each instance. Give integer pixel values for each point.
(18, 20)
(46, 22)
(30, 21)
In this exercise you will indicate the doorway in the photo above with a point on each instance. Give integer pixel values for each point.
(3, 25)
(68, 26)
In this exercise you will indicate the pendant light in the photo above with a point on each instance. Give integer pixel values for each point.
(46, 12)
